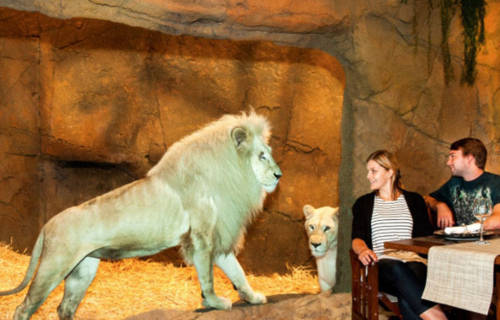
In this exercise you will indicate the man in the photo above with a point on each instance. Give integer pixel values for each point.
(454, 200)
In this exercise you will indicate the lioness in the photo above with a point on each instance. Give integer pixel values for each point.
(202, 194)
(322, 229)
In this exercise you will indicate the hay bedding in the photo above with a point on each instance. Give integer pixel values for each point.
(131, 286)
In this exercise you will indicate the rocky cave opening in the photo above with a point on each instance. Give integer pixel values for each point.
(97, 103)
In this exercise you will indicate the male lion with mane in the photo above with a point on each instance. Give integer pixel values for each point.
(201, 195)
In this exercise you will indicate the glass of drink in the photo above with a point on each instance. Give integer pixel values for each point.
(482, 210)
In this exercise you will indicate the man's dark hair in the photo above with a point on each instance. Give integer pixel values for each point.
(474, 147)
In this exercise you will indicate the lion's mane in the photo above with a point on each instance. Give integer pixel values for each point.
(206, 170)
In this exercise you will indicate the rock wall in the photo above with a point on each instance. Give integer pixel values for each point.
(395, 96)
(106, 100)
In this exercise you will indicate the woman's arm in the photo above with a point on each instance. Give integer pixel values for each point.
(361, 230)
(365, 254)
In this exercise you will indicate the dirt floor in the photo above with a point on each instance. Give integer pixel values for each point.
(139, 289)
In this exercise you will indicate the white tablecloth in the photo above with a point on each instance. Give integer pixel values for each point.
(462, 275)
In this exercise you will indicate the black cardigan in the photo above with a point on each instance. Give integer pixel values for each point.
(362, 212)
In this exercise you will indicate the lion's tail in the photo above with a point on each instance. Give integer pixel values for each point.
(35, 256)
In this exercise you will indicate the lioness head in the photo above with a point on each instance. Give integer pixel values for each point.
(322, 228)
(263, 165)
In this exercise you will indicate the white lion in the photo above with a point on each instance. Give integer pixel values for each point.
(202, 194)
(322, 230)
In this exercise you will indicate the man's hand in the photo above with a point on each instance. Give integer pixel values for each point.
(444, 215)
(493, 222)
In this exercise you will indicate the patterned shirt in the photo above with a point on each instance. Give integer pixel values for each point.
(391, 221)
(459, 195)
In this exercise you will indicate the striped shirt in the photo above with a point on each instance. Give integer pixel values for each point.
(391, 220)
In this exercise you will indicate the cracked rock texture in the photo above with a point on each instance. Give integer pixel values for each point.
(90, 96)
(91, 105)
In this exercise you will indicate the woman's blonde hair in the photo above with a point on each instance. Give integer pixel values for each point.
(388, 161)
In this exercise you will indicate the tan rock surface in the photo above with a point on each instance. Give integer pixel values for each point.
(293, 307)
(111, 99)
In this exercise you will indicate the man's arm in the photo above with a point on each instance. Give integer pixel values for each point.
(444, 214)
(493, 222)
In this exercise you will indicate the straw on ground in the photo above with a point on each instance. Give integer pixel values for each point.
(132, 286)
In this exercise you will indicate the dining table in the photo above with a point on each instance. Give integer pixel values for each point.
(422, 246)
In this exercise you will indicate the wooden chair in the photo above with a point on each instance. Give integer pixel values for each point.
(431, 214)
(365, 294)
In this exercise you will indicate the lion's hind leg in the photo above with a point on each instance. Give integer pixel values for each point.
(75, 286)
(233, 270)
(51, 272)
(39, 290)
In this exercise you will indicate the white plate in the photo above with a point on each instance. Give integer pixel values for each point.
(467, 236)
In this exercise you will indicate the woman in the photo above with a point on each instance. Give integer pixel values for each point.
(391, 213)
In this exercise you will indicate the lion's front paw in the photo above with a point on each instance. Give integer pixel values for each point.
(216, 302)
(254, 298)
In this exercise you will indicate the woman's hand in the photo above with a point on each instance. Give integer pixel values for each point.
(367, 257)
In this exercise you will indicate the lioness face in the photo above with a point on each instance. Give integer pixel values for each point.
(265, 168)
(322, 228)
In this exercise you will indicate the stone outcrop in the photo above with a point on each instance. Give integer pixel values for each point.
(307, 307)
(140, 89)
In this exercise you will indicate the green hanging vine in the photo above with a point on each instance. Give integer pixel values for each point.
(447, 13)
(472, 12)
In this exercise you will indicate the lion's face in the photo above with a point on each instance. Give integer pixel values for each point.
(265, 168)
(322, 228)
(263, 165)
